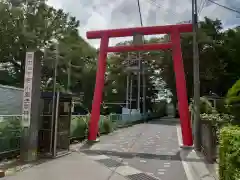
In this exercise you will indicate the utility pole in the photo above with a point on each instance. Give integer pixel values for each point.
(54, 92)
(144, 89)
(139, 83)
(131, 88)
(127, 92)
(141, 65)
(196, 119)
(138, 40)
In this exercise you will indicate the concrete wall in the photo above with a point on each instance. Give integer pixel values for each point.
(10, 100)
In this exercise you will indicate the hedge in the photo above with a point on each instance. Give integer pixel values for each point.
(229, 164)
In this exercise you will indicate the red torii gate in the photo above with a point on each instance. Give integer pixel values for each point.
(175, 45)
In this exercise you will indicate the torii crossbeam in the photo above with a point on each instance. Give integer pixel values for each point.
(174, 44)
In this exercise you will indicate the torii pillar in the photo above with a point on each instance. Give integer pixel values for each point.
(174, 44)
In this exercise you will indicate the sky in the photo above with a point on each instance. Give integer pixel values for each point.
(111, 14)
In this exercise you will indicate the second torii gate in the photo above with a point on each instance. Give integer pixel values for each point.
(174, 44)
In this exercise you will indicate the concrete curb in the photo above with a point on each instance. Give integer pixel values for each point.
(196, 168)
(14, 170)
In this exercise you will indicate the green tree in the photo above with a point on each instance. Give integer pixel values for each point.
(29, 25)
(116, 80)
(218, 59)
(33, 24)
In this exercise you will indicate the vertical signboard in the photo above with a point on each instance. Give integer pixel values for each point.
(27, 92)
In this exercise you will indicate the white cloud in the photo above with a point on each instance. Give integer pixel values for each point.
(105, 14)
(55, 3)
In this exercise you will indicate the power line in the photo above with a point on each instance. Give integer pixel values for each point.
(140, 13)
(201, 6)
(225, 7)
(155, 4)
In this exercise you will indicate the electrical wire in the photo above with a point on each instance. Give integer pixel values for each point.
(225, 7)
(153, 2)
(140, 13)
(201, 6)
(157, 5)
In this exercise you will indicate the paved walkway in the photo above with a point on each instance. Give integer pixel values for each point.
(152, 149)
(149, 152)
(141, 152)
(75, 166)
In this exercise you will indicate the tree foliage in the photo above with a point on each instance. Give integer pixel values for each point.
(34, 25)
(218, 54)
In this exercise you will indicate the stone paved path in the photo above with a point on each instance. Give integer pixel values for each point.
(151, 149)
(141, 152)
(75, 166)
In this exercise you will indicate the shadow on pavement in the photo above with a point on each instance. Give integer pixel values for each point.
(168, 122)
(130, 155)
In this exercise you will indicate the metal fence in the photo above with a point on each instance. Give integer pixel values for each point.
(10, 128)
(121, 120)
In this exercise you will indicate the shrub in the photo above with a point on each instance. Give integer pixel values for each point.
(79, 126)
(159, 109)
(233, 94)
(234, 109)
(229, 167)
(233, 100)
(205, 106)
(107, 125)
(218, 121)
(221, 106)
(10, 133)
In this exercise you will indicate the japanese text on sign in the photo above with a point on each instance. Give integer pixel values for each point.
(27, 93)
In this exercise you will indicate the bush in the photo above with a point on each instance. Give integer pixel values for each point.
(233, 100)
(233, 94)
(107, 125)
(160, 108)
(234, 109)
(217, 121)
(79, 126)
(10, 133)
(221, 106)
(205, 106)
(229, 167)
